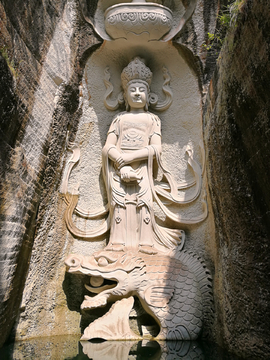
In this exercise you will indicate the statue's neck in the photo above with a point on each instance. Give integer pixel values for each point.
(137, 111)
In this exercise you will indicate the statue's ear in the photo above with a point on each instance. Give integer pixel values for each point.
(121, 98)
(159, 295)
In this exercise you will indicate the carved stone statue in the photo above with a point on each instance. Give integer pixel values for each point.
(175, 291)
(142, 258)
(133, 144)
(134, 140)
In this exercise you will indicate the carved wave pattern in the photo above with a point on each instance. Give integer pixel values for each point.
(120, 24)
(139, 18)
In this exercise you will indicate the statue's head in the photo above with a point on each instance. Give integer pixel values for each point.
(136, 78)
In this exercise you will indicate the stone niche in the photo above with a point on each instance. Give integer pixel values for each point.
(182, 155)
(180, 115)
(181, 123)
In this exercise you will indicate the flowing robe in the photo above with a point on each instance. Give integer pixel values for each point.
(131, 203)
(133, 222)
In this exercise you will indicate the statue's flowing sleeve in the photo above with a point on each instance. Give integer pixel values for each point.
(114, 127)
(156, 125)
(107, 165)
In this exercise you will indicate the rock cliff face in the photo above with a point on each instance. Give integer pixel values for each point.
(22, 160)
(236, 128)
(39, 75)
(44, 47)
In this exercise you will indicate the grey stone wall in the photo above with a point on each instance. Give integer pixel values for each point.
(39, 93)
(236, 130)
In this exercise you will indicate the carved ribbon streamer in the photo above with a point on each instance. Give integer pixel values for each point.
(87, 214)
(163, 105)
(179, 219)
(170, 238)
(173, 187)
(88, 234)
(111, 104)
(75, 157)
(72, 200)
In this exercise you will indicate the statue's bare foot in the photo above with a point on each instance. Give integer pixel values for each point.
(147, 249)
(91, 303)
(115, 247)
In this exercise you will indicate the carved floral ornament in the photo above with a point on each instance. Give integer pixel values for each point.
(142, 257)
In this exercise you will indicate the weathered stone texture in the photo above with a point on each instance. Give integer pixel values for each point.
(194, 36)
(39, 74)
(20, 182)
(236, 130)
(60, 347)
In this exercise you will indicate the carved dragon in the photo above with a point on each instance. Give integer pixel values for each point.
(175, 291)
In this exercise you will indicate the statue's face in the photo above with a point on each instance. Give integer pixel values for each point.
(137, 95)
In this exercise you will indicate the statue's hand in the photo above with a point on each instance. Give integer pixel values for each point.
(128, 174)
(124, 159)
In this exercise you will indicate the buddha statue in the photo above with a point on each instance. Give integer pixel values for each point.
(133, 143)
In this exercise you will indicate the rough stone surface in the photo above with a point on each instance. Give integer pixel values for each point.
(45, 348)
(236, 129)
(190, 42)
(39, 46)
(44, 47)
(20, 176)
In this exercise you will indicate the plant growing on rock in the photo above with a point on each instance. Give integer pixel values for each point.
(225, 20)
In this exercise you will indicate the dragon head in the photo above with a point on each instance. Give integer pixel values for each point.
(112, 274)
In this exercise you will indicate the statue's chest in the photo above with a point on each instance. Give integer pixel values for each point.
(134, 135)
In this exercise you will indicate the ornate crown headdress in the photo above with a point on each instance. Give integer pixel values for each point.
(136, 70)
